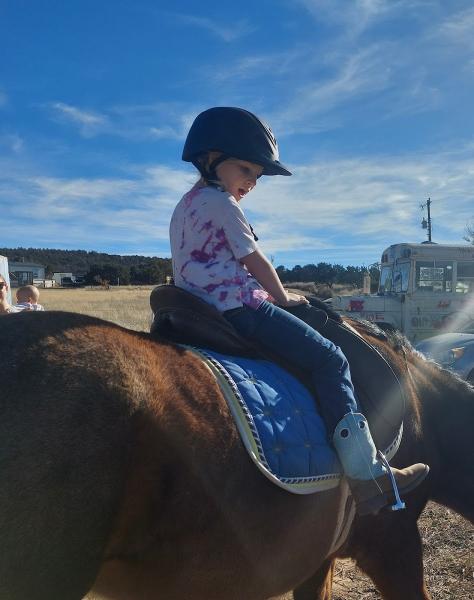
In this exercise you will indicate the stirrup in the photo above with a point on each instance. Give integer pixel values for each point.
(399, 504)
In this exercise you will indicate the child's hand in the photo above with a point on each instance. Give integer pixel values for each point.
(295, 299)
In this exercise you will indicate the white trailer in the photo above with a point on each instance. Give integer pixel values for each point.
(424, 289)
(63, 279)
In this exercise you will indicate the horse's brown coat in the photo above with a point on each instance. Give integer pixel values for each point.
(120, 464)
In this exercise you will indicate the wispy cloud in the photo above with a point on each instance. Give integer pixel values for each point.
(358, 15)
(361, 74)
(458, 29)
(255, 65)
(90, 122)
(134, 122)
(335, 210)
(349, 202)
(131, 213)
(12, 141)
(227, 33)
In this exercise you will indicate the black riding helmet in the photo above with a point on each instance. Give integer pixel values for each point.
(236, 133)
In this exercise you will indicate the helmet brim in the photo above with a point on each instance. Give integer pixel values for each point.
(275, 168)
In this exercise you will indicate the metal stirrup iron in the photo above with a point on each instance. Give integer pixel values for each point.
(399, 504)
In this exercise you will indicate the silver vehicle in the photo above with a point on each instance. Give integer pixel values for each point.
(453, 351)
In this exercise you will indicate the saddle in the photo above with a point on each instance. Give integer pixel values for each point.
(183, 318)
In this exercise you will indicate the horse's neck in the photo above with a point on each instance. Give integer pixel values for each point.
(447, 419)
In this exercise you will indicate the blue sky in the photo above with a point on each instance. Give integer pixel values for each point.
(371, 102)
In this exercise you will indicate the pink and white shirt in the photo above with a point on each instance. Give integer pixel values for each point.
(209, 234)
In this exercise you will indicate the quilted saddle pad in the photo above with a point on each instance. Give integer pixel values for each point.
(279, 422)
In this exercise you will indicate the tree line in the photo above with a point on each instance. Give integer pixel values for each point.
(328, 274)
(95, 266)
(136, 269)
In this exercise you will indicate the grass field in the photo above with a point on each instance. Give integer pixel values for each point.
(448, 538)
(128, 306)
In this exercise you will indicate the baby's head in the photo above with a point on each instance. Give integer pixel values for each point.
(27, 293)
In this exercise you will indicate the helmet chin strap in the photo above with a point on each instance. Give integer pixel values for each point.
(209, 173)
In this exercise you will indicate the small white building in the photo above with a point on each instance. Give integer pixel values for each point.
(23, 273)
(63, 279)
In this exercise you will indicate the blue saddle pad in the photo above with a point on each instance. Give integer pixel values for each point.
(278, 421)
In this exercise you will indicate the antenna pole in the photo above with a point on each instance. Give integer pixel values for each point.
(427, 224)
(428, 204)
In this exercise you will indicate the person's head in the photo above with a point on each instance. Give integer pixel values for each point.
(27, 293)
(232, 146)
(3, 291)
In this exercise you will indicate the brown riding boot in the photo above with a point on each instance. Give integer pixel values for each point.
(374, 494)
(373, 483)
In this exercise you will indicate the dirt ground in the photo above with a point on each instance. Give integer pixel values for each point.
(448, 538)
(448, 541)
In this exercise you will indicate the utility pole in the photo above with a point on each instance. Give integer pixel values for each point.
(426, 224)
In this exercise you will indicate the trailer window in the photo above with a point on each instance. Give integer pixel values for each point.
(401, 277)
(434, 276)
(385, 284)
(465, 280)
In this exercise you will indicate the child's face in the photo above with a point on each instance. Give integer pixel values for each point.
(238, 177)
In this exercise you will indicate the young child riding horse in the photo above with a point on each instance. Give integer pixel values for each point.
(216, 257)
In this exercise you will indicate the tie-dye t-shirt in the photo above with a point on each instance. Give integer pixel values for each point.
(209, 234)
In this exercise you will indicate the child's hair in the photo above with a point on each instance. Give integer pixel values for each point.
(26, 292)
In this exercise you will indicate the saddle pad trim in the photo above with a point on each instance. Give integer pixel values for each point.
(250, 437)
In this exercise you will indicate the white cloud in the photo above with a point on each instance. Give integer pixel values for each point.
(254, 66)
(339, 209)
(13, 142)
(133, 122)
(90, 122)
(227, 33)
(348, 202)
(458, 29)
(363, 73)
(52, 188)
(358, 15)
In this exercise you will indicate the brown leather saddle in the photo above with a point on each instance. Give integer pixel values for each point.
(182, 318)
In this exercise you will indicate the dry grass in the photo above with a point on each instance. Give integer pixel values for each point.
(448, 539)
(127, 306)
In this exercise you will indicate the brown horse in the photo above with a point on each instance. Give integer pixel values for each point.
(440, 424)
(121, 472)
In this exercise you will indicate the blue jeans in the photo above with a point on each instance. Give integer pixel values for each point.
(305, 348)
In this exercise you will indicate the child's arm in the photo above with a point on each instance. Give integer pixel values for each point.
(262, 269)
